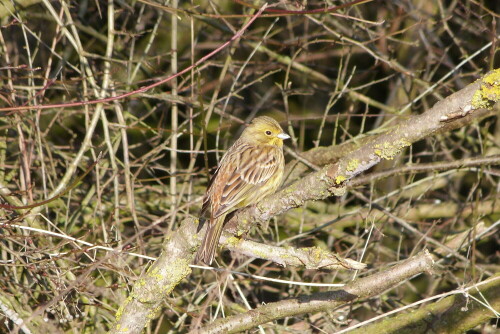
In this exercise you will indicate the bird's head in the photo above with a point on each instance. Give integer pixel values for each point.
(264, 131)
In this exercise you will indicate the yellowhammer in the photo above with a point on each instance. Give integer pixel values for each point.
(250, 170)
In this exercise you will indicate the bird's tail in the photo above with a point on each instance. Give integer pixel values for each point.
(210, 241)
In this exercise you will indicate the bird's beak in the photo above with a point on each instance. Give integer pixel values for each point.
(283, 136)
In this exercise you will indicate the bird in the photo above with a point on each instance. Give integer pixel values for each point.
(251, 169)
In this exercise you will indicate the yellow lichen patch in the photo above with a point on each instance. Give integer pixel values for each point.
(493, 78)
(119, 313)
(352, 165)
(232, 241)
(153, 313)
(339, 179)
(179, 270)
(389, 150)
(155, 273)
(489, 91)
(119, 329)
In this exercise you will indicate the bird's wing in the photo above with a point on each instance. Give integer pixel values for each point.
(241, 174)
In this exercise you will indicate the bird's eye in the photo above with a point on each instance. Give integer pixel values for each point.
(268, 132)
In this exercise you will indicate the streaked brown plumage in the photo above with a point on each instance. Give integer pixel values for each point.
(250, 170)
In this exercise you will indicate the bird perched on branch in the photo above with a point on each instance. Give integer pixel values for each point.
(250, 170)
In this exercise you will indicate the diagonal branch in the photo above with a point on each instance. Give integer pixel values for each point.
(323, 301)
(455, 111)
